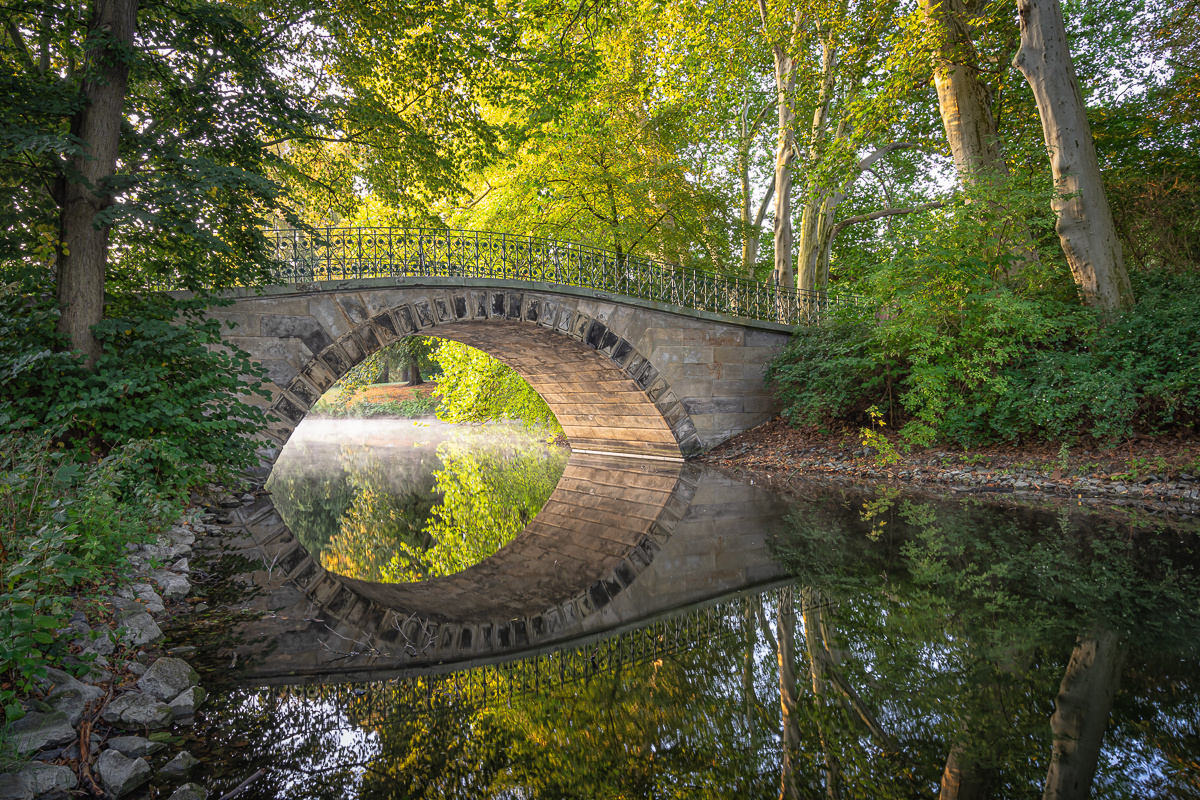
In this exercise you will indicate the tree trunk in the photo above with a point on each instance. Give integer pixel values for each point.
(1085, 698)
(84, 255)
(786, 640)
(816, 221)
(962, 98)
(962, 779)
(1085, 224)
(818, 664)
(785, 154)
(414, 371)
(748, 697)
(965, 106)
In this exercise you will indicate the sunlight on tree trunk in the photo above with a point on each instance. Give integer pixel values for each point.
(1081, 710)
(962, 779)
(1085, 223)
(965, 106)
(962, 98)
(84, 255)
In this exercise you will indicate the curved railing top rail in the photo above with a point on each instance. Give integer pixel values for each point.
(342, 253)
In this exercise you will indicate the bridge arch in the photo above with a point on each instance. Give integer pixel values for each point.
(624, 376)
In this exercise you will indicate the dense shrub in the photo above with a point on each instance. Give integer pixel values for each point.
(164, 376)
(412, 407)
(973, 344)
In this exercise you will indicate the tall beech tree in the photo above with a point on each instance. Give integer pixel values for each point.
(1085, 222)
(139, 129)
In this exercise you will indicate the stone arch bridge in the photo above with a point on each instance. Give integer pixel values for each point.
(634, 357)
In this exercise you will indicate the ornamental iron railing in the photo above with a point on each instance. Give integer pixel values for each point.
(347, 253)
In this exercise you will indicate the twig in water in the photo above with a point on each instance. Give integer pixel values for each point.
(241, 787)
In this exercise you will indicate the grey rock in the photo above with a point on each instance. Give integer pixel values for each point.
(167, 678)
(38, 731)
(181, 566)
(174, 587)
(13, 788)
(178, 767)
(145, 592)
(228, 501)
(180, 536)
(136, 710)
(137, 628)
(124, 593)
(188, 701)
(189, 791)
(120, 775)
(134, 746)
(56, 682)
(136, 668)
(71, 703)
(183, 651)
(168, 552)
(46, 778)
(201, 608)
(99, 660)
(99, 641)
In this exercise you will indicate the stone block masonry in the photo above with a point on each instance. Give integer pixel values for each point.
(622, 375)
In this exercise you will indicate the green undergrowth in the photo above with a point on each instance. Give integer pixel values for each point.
(64, 525)
(955, 346)
(415, 406)
(94, 459)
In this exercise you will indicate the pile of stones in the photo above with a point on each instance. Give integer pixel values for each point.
(148, 695)
(53, 730)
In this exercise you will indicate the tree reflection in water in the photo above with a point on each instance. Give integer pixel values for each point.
(396, 515)
(925, 650)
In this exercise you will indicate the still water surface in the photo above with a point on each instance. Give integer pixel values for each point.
(725, 642)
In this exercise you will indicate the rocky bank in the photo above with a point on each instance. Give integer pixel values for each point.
(108, 730)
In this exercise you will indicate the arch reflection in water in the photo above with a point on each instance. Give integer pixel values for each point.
(619, 540)
(396, 501)
(940, 650)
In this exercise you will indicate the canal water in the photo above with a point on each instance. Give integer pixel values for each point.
(424, 610)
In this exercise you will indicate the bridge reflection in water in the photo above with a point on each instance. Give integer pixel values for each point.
(915, 644)
(619, 541)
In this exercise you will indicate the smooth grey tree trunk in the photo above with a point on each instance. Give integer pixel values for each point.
(964, 104)
(1085, 698)
(1085, 224)
(83, 259)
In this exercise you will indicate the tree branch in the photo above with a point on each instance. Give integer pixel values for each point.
(766, 202)
(887, 212)
(18, 40)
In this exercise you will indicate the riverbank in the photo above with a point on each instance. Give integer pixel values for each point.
(1158, 475)
(109, 723)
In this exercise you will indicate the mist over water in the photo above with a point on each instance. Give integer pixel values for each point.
(396, 501)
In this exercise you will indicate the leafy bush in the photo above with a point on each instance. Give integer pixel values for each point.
(164, 375)
(476, 388)
(963, 341)
(412, 407)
